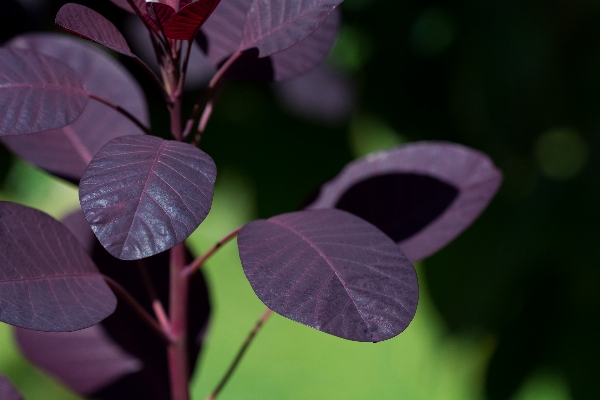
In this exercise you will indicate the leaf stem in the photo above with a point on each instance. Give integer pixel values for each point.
(198, 262)
(157, 306)
(240, 354)
(123, 111)
(139, 310)
(177, 350)
(208, 96)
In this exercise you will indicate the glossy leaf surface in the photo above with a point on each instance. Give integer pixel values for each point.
(126, 328)
(47, 281)
(275, 25)
(37, 93)
(142, 195)
(67, 151)
(330, 270)
(422, 195)
(88, 24)
(185, 24)
(8, 391)
(84, 360)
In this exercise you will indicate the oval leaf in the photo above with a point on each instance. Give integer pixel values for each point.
(84, 360)
(37, 93)
(332, 271)
(88, 24)
(67, 151)
(185, 24)
(8, 391)
(47, 281)
(225, 29)
(422, 195)
(275, 25)
(143, 195)
(158, 14)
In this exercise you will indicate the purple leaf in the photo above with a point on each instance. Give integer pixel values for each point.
(143, 195)
(332, 271)
(8, 391)
(37, 93)
(323, 95)
(224, 30)
(423, 195)
(224, 34)
(275, 25)
(67, 151)
(85, 360)
(47, 281)
(188, 20)
(88, 24)
(125, 327)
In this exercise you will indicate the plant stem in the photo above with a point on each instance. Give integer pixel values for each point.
(139, 310)
(126, 113)
(240, 354)
(177, 350)
(157, 306)
(198, 262)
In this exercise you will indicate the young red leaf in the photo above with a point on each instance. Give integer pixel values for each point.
(85, 360)
(158, 14)
(88, 24)
(126, 328)
(67, 151)
(275, 25)
(47, 281)
(143, 195)
(332, 271)
(37, 93)
(8, 391)
(422, 195)
(185, 24)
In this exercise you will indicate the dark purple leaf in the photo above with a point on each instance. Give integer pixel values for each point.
(332, 271)
(8, 391)
(67, 151)
(88, 24)
(224, 33)
(85, 360)
(124, 4)
(275, 25)
(47, 281)
(323, 95)
(125, 327)
(143, 195)
(422, 195)
(224, 30)
(37, 93)
(186, 23)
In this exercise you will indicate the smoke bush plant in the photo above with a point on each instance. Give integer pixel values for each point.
(343, 265)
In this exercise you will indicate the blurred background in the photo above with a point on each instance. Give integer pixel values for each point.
(509, 310)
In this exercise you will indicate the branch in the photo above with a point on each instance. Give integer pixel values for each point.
(139, 310)
(197, 263)
(123, 111)
(240, 354)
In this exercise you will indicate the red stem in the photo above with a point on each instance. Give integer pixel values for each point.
(240, 354)
(177, 350)
(198, 262)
